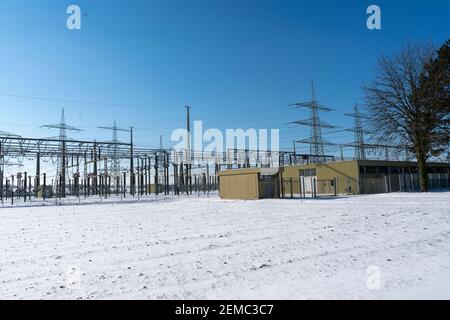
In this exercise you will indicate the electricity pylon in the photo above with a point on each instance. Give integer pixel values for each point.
(61, 169)
(115, 165)
(358, 131)
(316, 142)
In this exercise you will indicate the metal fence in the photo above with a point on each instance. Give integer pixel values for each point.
(305, 187)
(401, 182)
(19, 190)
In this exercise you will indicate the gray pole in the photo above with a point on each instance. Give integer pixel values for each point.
(188, 147)
(131, 163)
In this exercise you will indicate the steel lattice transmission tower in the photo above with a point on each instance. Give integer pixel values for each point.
(61, 169)
(316, 142)
(360, 153)
(115, 165)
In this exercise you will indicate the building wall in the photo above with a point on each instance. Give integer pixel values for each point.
(393, 176)
(345, 173)
(351, 179)
(239, 184)
(151, 188)
(288, 173)
(269, 186)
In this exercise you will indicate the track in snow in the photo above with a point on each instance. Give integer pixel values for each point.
(207, 248)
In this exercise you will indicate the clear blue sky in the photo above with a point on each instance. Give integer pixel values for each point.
(239, 63)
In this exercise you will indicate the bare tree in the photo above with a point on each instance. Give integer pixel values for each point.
(402, 106)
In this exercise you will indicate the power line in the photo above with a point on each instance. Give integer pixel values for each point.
(84, 101)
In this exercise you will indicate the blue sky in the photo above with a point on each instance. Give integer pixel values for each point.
(237, 63)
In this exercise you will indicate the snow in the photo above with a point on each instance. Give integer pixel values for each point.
(208, 248)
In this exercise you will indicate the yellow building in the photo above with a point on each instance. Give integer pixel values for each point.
(330, 178)
(249, 183)
(340, 177)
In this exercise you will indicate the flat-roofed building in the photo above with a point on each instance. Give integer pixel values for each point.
(249, 183)
(361, 177)
(330, 178)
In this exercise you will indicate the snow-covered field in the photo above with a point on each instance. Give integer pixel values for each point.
(376, 246)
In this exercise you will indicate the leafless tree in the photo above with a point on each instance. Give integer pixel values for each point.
(403, 111)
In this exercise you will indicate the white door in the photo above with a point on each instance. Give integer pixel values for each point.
(307, 183)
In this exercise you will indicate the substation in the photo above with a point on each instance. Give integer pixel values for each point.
(93, 168)
(83, 169)
(86, 169)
